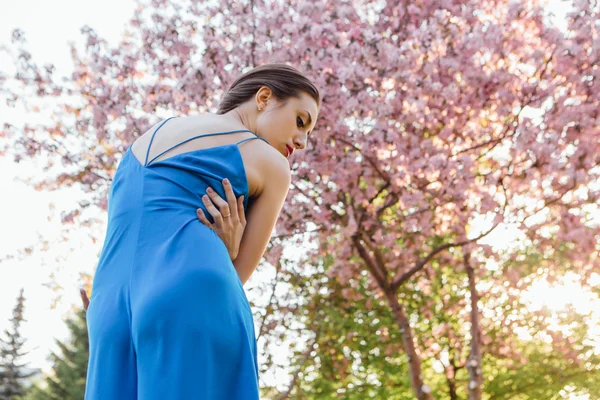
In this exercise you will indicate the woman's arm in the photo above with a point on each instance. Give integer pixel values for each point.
(262, 216)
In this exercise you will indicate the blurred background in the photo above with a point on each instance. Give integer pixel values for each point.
(441, 236)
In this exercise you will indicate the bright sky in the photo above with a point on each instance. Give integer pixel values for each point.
(48, 27)
(24, 212)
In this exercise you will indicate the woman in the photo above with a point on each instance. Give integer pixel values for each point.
(168, 317)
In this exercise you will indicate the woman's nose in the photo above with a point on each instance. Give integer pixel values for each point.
(299, 144)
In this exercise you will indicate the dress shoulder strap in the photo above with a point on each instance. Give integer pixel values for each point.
(152, 139)
(252, 138)
(196, 137)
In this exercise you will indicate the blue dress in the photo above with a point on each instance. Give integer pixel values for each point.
(168, 316)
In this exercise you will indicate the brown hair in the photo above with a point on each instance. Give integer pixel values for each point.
(283, 80)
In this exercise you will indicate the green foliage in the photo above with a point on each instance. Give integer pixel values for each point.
(358, 352)
(356, 346)
(69, 367)
(549, 363)
(11, 371)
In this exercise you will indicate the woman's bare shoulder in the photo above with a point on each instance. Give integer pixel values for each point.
(274, 169)
(265, 165)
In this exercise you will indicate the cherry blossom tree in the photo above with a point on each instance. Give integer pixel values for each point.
(435, 114)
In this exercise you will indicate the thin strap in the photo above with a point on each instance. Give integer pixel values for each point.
(206, 135)
(152, 139)
(251, 138)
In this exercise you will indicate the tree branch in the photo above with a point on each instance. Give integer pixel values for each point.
(378, 274)
(305, 357)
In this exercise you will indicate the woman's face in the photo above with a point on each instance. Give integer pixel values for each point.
(285, 126)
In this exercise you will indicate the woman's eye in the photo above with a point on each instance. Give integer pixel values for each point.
(300, 122)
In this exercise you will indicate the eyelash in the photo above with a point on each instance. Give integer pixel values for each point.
(302, 122)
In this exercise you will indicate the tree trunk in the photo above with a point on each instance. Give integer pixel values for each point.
(452, 389)
(451, 379)
(474, 362)
(422, 391)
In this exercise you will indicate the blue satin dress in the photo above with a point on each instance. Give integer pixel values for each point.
(168, 316)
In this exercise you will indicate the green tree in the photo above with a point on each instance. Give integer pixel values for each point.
(11, 372)
(69, 367)
(347, 346)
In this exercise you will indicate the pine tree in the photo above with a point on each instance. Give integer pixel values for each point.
(69, 367)
(11, 372)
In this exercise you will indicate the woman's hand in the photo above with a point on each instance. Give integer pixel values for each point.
(229, 217)
(84, 298)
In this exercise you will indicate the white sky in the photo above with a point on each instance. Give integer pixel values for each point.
(48, 26)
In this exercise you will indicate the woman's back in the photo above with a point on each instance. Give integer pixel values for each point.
(209, 148)
(177, 131)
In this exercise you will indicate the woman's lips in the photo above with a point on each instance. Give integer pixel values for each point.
(289, 150)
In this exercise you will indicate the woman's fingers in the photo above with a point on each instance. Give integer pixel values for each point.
(212, 210)
(84, 298)
(232, 206)
(222, 211)
(240, 209)
(203, 218)
(219, 202)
